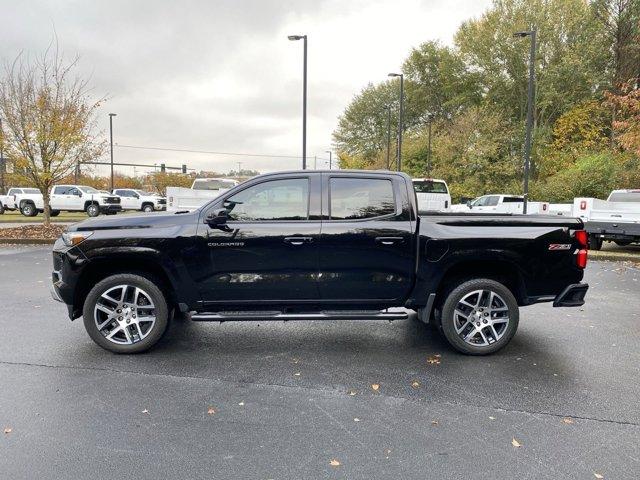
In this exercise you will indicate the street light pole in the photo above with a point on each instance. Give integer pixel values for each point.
(401, 117)
(388, 136)
(304, 98)
(2, 165)
(329, 152)
(430, 118)
(530, 106)
(111, 115)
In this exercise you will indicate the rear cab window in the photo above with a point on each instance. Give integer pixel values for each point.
(632, 196)
(360, 198)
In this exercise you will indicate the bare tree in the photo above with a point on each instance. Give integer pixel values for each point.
(49, 119)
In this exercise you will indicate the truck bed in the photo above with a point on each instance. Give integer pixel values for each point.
(504, 219)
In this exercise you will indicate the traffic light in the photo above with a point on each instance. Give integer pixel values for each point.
(184, 169)
(163, 167)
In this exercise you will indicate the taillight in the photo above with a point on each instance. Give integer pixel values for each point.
(582, 238)
(581, 258)
(583, 205)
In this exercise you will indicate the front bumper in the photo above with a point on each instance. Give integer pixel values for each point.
(110, 208)
(572, 296)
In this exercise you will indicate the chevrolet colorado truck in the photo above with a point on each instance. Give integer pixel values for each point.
(317, 245)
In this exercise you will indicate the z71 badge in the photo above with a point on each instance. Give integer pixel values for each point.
(560, 246)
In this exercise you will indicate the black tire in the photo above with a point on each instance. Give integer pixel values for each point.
(595, 242)
(161, 313)
(28, 209)
(54, 213)
(93, 210)
(1, 208)
(147, 208)
(622, 243)
(447, 320)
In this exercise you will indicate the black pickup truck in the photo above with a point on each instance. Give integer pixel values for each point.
(312, 245)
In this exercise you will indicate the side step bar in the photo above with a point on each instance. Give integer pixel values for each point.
(277, 315)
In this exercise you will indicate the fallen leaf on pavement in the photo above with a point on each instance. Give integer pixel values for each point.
(145, 411)
(211, 411)
(297, 374)
(567, 420)
(597, 475)
(8, 430)
(434, 422)
(415, 384)
(375, 387)
(434, 360)
(334, 463)
(516, 443)
(241, 404)
(356, 419)
(492, 418)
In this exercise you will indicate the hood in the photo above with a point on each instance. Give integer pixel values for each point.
(116, 222)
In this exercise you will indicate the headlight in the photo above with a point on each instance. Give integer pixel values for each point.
(72, 239)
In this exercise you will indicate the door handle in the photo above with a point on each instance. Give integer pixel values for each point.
(297, 240)
(389, 240)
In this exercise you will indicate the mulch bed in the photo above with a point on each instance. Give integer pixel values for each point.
(32, 232)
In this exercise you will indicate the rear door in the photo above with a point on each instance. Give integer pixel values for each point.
(58, 200)
(366, 249)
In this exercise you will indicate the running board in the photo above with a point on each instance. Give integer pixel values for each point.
(277, 315)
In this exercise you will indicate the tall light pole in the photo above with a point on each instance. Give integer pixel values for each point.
(329, 152)
(304, 98)
(530, 106)
(2, 165)
(401, 117)
(430, 118)
(111, 115)
(388, 136)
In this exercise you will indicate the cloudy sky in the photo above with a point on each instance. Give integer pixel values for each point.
(220, 75)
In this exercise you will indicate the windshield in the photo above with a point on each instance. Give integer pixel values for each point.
(625, 196)
(144, 194)
(430, 186)
(88, 190)
(31, 190)
(212, 184)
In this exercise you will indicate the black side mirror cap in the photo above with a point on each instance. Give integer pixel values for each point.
(217, 217)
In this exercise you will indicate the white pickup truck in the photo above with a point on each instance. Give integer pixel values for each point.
(27, 200)
(202, 191)
(432, 194)
(500, 203)
(80, 198)
(132, 199)
(616, 219)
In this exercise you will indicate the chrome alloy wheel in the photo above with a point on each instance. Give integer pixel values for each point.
(481, 318)
(124, 314)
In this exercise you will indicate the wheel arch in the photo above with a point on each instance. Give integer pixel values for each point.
(101, 268)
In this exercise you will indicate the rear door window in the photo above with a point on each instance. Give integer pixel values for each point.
(360, 198)
(60, 190)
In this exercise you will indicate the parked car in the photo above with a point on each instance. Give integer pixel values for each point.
(616, 219)
(202, 191)
(308, 245)
(500, 203)
(80, 198)
(432, 194)
(132, 199)
(27, 200)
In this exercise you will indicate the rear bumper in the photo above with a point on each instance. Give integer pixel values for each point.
(110, 208)
(614, 231)
(572, 296)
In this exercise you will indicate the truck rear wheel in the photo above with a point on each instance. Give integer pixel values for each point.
(28, 209)
(479, 316)
(595, 242)
(126, 313)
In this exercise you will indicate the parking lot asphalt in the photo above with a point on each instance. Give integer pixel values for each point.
(286, 400)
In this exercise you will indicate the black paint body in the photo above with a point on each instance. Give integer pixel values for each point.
(396, 260)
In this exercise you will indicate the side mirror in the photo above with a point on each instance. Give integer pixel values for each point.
(217, 218)
(469, 204)
(136, 195)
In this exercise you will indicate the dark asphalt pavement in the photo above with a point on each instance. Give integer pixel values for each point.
(287, 399)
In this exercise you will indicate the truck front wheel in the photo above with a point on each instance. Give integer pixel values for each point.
(28, 209)
(147, 208)
(126, 313)
(93, 210)
(479, 316)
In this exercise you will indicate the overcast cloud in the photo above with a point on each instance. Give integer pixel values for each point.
(221, 75)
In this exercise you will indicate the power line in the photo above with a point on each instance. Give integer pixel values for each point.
(184, 150)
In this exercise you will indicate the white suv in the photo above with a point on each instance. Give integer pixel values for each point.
(132, 199)
(80, 198)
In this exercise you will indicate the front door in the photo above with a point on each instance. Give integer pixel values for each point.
(366, 246)
(267, 251)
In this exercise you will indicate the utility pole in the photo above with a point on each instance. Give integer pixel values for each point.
(239, 168)
(388, 136)
(329, 152)
(304, 98)
(2, 164)
(401, 117)
(429, 150)
(530, 110)
(315, 162)
(111, 115)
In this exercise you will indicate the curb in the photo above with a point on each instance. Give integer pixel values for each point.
(614, 257)
(26, 241)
